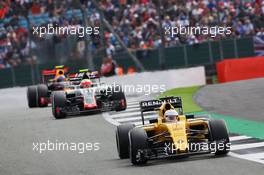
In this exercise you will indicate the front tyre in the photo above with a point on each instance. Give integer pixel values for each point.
(59, 101)
(32, 96)
(122, 140)
(138, 146)
(218, 133)
(119, 96)
(42, 95)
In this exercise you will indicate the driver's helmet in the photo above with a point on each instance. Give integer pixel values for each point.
(86, 83)
(171, 115)
(60, 78)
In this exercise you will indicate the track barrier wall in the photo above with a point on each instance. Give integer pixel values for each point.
(240, 69)
(184, 56)
(167, 79)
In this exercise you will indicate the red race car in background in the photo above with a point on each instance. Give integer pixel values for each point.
(88, 95)
(52, 80)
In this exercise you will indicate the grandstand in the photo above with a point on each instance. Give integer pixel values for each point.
(136, 22)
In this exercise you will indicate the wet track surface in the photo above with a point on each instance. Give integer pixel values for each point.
(20, 127)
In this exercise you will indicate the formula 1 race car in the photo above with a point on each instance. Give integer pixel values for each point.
(52, 80)
(76, 78)
(88, 96)
(172, 134)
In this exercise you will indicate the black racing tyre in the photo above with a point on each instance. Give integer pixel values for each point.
(32, 96)
(218, 133)
(138, 145)
(119, 95)
(122, 101)
(122, 140)
(59, 101)
(42, 92)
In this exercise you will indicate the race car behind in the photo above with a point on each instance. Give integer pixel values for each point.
(87, 97)
(52, 80)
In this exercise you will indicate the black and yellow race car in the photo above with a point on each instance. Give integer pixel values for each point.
(171, 134)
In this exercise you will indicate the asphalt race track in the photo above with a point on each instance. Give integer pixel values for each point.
(20, 127)
(244, 99)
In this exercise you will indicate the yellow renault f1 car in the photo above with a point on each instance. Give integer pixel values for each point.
(162, 138)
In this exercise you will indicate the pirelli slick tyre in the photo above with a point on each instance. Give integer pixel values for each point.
(59, 101)
(119, 95)
(42, 95)
(32, 96)
(122, 140)
(218, 134)
(138, 146)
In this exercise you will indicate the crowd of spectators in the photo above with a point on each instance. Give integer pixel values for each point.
(16, 39)
(135, 21)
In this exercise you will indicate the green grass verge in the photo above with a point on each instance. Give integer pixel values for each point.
(240, 126)
(186, 94)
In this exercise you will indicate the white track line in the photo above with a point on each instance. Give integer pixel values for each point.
(132, 103)
(135, 118)
(131, 110)
(244, 156)
(131, 114)
(124, 114)
(255, 155)
(235, 138)
(246, 146)
(108, 118)
(133, 106)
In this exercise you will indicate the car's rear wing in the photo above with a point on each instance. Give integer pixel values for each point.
(48, 75)
(94, 75)
(89, 73)
(84, 74)
(152, 105)
(53, 71)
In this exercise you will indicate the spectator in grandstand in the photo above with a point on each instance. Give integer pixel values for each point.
(108, 67)
(248, 27)
(135, 21)
(110, 49)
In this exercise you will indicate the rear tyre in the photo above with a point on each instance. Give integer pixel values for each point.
(122, 140)
(59, 101)
(43, 95)
(218, 133)
(138, 146)
(32, 96)
(119, 95)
